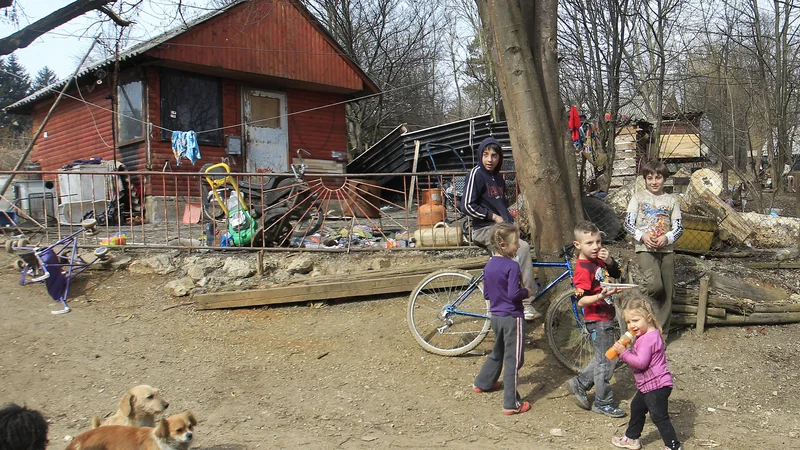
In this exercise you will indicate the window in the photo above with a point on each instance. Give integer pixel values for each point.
(265, 112)
(191, 102)
(130, 100)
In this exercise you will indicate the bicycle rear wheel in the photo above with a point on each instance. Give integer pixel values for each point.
(442, 331)
(566, 334)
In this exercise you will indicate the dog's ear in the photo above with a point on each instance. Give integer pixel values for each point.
(192, 420)
(126, 404)
(162, 429)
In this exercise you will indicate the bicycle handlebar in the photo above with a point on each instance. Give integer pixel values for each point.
(567, 251)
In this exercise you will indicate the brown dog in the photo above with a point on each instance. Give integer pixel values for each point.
(173, 433)
(137, 408)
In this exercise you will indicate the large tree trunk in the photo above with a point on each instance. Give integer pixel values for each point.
(541, 162)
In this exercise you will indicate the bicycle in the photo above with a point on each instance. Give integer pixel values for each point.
(449, 316)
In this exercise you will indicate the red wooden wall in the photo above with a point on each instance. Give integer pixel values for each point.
(75, 130)
(267, 37)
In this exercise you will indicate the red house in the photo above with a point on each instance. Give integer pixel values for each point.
(256, 80)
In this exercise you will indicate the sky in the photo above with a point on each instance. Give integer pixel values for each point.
(63, 48)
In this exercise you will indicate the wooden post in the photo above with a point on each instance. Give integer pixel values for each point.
(702, 303)
(413, 178)
(260, 263)
(797, 201)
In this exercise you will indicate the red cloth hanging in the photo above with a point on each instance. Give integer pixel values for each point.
(574, 123)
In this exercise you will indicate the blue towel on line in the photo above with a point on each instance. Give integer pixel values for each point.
(184, 145)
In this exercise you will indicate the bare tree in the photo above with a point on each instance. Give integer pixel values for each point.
(397, 44)
(650, 57)
(592, 67)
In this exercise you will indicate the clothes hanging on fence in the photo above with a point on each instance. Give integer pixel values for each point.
(184, 145)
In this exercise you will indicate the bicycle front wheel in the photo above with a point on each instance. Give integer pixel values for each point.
(567, 335)
(444, 318)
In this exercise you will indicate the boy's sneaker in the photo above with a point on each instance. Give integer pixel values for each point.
(578, 393)
(626, 442)
(610, 410)
(531, 313)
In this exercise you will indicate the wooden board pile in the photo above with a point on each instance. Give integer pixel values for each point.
(722, 300)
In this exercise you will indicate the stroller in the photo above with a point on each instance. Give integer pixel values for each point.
(57, 264)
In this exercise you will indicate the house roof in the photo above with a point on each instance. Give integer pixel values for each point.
(144, 47)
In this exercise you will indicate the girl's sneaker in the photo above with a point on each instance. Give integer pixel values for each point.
(497, 385)
(524, 407)
(626, 442)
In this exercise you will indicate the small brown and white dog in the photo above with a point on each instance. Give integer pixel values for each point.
(173, 433)
(137, 408)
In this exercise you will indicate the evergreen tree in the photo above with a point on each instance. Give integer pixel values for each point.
(15, 84)
(44, 77)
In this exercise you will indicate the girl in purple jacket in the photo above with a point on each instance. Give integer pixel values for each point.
(502, 286)
(648, 361)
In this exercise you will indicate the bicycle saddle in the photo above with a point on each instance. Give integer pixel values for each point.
(567, 251)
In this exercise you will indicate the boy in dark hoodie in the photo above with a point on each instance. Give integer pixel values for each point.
(485, 202)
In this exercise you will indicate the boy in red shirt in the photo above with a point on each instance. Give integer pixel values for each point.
(592, 267)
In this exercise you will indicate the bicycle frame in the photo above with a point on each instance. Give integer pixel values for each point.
(453, 307)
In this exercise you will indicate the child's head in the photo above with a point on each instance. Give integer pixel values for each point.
(491, 154)
(505, 239)
(588, 240)
(637, 311)
(655, 173)
(22, 428)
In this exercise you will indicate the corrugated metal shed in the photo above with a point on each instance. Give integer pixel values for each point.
(395, 152)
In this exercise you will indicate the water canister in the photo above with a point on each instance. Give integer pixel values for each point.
(432, 211)
(441, 235)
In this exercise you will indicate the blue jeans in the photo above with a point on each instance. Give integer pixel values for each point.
(599, 371)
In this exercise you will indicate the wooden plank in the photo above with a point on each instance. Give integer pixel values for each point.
(622, 146)
(691, 297)
(413, 178)
(796, 177)
(702, 303)
(625, 154)
(773, 265)
(752, 319)
(710, 311)
(740, 289)
(777, 308)
(312, 292)
(679, 146)
(321, 165)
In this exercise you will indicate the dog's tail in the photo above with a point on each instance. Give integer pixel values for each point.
(95, 422)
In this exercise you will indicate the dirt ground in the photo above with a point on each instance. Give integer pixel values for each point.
(349, 375)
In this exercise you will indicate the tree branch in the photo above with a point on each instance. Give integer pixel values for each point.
(27, 35)
(113, 16)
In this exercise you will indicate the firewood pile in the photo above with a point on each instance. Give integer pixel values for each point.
(723, 300)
